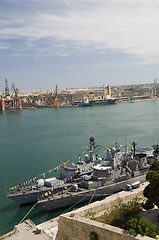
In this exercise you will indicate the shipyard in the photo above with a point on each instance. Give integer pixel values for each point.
(14, 99)
(79, 110)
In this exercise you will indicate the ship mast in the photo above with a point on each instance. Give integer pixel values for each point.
(92, 155)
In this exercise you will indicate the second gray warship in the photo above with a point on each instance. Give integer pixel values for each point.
(117, 171)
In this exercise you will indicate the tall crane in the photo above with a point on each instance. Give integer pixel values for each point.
(154, 88)
(15, 91)
(6, 89)
(56, 103)
(41, 100)
(41, 96)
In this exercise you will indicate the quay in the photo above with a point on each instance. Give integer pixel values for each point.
(27, 230)
(77, 225)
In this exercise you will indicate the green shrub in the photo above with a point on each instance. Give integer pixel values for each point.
(123, 215)
(136, 225)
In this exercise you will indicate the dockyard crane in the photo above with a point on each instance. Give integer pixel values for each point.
(6, 89)
(41, 100)
(15, 91)
(41, 96)
(56, 103)
(154, 88)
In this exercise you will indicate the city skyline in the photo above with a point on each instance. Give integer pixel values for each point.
(75, 43)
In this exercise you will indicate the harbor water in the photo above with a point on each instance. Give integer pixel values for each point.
(35, 141)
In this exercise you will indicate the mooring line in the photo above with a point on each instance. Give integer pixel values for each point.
(76, 203)
(28, 213)
(92, 196)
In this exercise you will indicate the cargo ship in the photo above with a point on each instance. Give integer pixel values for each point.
(99, 102)
(103, 102)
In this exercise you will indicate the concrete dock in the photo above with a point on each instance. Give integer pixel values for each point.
(29, 231)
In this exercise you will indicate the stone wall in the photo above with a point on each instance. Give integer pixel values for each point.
(72, 228)
(77, 226)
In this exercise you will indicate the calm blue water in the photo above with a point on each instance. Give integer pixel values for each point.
(35, 141)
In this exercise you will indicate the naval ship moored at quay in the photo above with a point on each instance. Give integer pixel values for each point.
(91, 178)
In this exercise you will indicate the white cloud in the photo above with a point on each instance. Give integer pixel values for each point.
(130, 27)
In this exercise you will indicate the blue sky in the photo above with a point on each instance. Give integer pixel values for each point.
(78, 43)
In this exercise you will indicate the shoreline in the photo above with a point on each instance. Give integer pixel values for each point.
(73, 106)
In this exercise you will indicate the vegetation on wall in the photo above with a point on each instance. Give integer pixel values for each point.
(151, 191)
(124, 215)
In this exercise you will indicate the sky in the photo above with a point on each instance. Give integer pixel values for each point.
(78, 43)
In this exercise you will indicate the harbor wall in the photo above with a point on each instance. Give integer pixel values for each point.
(77, 225)
(82, 229)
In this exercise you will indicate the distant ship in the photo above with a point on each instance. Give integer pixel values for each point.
(104, 102)
(87, 103)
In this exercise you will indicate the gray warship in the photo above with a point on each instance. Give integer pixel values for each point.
(32, 193)
(117, 171)
(90, 178)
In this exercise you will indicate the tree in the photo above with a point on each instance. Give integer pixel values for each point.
(136, 225)
(151, 191)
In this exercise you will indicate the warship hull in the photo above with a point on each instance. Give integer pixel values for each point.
(26, 198)
(64, 201)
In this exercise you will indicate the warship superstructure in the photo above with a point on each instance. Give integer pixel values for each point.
(82, 166)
